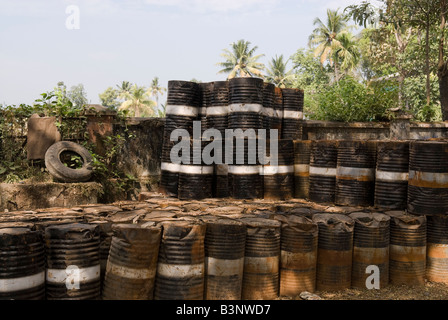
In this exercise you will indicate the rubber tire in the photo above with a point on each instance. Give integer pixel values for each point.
(63, 173)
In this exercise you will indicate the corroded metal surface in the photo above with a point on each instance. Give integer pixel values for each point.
(437, 248)
(335, 252)
(132, 262)
(302, 149)
(370, 247)
(355, 174)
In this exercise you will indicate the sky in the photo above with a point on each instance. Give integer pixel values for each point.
(101, 43)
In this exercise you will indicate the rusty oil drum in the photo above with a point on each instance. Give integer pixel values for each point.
(132, 263)
(355, 174)
(278, 180)
(292, 113)
(261, 259)
(302, 150)
(181, 262)
(322, 171)
(428, 178)
(225, 241)
(407, 255)
(268, 107)
(335, 251)
(73, 262)
(391, 175)
(22, 264)
(370, 248)
(299, 236)
(437, 248)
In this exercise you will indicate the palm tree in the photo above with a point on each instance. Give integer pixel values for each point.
(240, 61)
(137, 102)
(124, 88)
(325, 37)
(347, 54)
(155, 89)
(277, 74)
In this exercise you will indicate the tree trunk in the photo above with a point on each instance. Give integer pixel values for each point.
(428, 72)
(443, 87)
(442, 65)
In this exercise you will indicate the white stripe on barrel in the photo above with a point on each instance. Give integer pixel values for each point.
(187, 169)
(129, 273)
(224, 267)
(180, 270)
(271, 170)
(217, 111)
(353, 173)
(171, 167)
(187, 111)
(245, 170)
(322, 171)
(245, 107)
(22, 283)
(391, 176)
(85, 274)
(295, 115)
(422, 179)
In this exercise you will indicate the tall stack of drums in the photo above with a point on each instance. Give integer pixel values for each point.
(181, 110)
(292, 113)
(391, 175)
(355, 174)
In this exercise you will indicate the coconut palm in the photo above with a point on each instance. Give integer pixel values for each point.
(137, 102)
(240, 61)
(347, 54)
(124, 88)
(325, 37)
(277, 74)
(155, 89)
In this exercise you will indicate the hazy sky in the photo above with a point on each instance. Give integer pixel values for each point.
(139, 39)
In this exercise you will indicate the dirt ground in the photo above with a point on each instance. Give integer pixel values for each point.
(429, 291)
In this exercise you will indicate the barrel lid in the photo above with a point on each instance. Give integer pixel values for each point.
(371, 219)
(132, 232)
(406, 220)
(183, 228)
(14, 231)
(14, 236)
(72, 231)
(335, 221)
(261, 222)
(297, 223)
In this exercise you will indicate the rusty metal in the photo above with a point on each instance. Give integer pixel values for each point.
(180, 267)
(205, 93)
(299, 236)
(437, 249)
(322, 171)
(370, 247)
(391, 175)
(355, 174)
(132, 263)
(276, 119)
(407, 255)
(278, 179)
(225, 241)
(302, 150)
(268, 106)
(22, 264)
(261, 260)
(292, 113)
(217, 112)
(335, 251)
(428, 178)
(73, 262)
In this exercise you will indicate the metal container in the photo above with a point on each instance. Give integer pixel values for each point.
(268, 107)
(335, 251)
(218, 111)
(277, 119)
(370, 248)
(182, 109)
(292, 113)
(437, 248)
(428, 178)
(278, 180)
(181, 262)
(407, 257)
(355, 173)
(391, 175)
(299, 237)
(132, 263)
(22, 264)
(225, 241)
(73, 262)
(205, 90)
(322, 171)
(261, 259)
(302, 150)
(195, 179)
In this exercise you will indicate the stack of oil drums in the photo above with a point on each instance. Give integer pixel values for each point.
(181, 110)
(292, 113)
(268, 107)
(302, 149)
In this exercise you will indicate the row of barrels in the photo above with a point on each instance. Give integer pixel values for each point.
(249, 105)
(218, 257)
(392, 175)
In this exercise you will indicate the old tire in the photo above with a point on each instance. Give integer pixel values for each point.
(63, 173)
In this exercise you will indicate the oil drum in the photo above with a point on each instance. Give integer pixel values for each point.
(302, 150)
(292, 113)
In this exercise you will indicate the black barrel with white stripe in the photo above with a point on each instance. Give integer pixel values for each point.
(355, 173)
(205, 89)
(370, 250)
(302, 151)
(261, 259)
(407, 256)
(225, 241)
(218, 110)
(132, 263)
(278, 174)
(195, 178)
(299, 236)
(181, 262)
(182, 109)
(73, 262)
(246, 104)
(437, 248)
(277, 120)
(268, 106)
(391, 175)
(22, 264)
(245, 179)
(428, 178)
(322, 171)
(292, 113)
